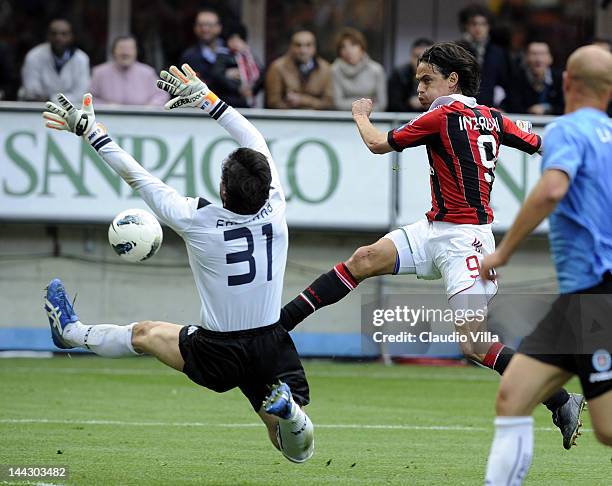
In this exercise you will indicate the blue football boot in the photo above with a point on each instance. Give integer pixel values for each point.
(279, 401)
(59, 311)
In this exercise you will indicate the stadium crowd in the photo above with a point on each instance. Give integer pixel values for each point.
(516, 81)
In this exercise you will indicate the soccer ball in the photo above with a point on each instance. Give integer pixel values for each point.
(135, 235)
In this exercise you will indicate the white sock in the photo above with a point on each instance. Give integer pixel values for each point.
(106, 340)
(296, 435)
(511, 451)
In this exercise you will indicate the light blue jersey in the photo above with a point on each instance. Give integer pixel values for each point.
(580, 144)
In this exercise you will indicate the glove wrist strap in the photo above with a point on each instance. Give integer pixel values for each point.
(209, 102)
(213, 105)
(98, 136)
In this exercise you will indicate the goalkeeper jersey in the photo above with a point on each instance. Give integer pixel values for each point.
(238, 261)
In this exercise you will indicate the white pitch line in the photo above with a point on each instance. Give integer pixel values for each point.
(379, 375)
(416, 375)
(459, 428)
(93, 371)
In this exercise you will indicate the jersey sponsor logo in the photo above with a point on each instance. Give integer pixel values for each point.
(478, 123)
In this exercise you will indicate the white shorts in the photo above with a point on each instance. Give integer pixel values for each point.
(445, 250)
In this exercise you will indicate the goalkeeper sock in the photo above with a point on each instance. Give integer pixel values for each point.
(295, 435)
(107, 340)
(328, 289)
(511, 451)
(498, 357)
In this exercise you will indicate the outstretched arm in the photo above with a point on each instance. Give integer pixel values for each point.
(245, 133)
(171, 208)
(191, 91)
(168, 205)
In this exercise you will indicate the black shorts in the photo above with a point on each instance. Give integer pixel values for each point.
(576, 335)
(251, 360)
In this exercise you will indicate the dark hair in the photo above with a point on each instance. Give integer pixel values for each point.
(299, 29)
(236, 29)
(120, 38)
(246, 178)
(422, 42)
(353, 35)
(475, 10)
(448, 57)
(538, 37)
(537, 40)
(60, 19)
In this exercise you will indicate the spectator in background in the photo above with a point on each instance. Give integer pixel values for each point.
(300, 79)
(203, 55)
(56, 66)
(538, 88)
(475, 23)
(354, 74)
(238, 76)
(403, 83)
(124, 80)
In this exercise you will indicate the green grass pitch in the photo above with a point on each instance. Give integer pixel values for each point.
(133, 421)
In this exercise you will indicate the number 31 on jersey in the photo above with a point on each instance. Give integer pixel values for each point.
(248, 254)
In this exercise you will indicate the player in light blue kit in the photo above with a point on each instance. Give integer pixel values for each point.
(575, 338)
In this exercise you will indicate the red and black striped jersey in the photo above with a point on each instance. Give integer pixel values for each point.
(462, 141)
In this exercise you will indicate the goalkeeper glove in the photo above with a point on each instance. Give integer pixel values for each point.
(67, 117)
(187, 89)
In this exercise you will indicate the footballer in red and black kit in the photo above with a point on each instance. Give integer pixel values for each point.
(462, 139)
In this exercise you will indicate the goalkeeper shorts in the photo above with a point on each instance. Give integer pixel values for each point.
(251, 360)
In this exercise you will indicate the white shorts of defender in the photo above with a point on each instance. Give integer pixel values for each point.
(449, 251)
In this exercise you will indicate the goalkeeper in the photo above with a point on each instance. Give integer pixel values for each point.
(237, 252)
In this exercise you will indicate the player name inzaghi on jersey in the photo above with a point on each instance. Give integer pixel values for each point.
(478, 123)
